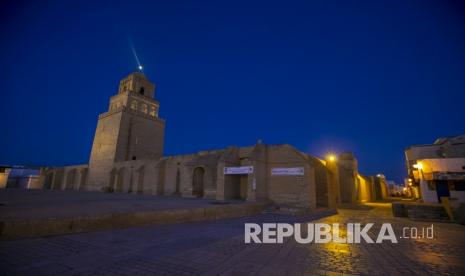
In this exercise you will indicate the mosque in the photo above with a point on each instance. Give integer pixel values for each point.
(127, 157)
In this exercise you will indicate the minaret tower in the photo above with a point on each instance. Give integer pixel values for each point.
(129, 130)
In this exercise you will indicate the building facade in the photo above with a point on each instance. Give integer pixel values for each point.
(127, 157)
(22, 177)
(438, 170)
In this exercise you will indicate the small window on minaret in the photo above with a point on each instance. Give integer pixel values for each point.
(141, 91)
(134, 105)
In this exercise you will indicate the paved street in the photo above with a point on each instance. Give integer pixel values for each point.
(217, 247)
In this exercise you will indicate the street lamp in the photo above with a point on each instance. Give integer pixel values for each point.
(331, 157)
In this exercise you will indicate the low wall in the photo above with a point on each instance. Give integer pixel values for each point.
(47, 227)
(420, 211)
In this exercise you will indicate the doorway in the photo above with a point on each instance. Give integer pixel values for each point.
(442, 189)
(70, 179)
(198, 179)
(236, 186)
(120, 180)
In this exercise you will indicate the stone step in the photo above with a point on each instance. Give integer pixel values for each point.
(420, 211)
(428, 214)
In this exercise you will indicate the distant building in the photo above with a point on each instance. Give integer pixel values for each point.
(4, 173)
(23, 177)
(394, 189)
(409, 190)
(127, 156)
(380, 190)
(438, 170)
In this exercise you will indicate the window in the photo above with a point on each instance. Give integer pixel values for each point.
(459, 185)
(144, 108)
(133, 158)
(141, 91)
(134, 105)
(152, 111)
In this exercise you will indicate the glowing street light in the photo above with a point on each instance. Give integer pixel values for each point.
(332, 157)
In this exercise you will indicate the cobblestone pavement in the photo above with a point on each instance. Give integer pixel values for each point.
(217, 247)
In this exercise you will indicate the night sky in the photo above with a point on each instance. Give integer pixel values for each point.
(371, 77)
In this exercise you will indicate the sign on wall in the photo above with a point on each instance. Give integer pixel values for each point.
(287, 171)
(238, 170)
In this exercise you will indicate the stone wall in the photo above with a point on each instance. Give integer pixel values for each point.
(364, 188)
(379, 188)
(319, 186)
(347, 171)
(64, 178)
(104, 149)
(290, 190)
(324, 193)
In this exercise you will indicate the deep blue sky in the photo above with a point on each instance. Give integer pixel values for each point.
(372, 77)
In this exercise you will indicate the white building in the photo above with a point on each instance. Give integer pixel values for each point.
(19, 177)
(438, 170)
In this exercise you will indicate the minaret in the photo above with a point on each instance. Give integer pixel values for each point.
(129, 130)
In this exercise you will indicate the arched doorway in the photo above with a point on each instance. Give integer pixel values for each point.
(82, 185)
(197, 185)
(120, 180)
(58, 179)
(161, 179)
(113, 179)
(140, 180)
(70, 179)
(178, 182)
(48, 181)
